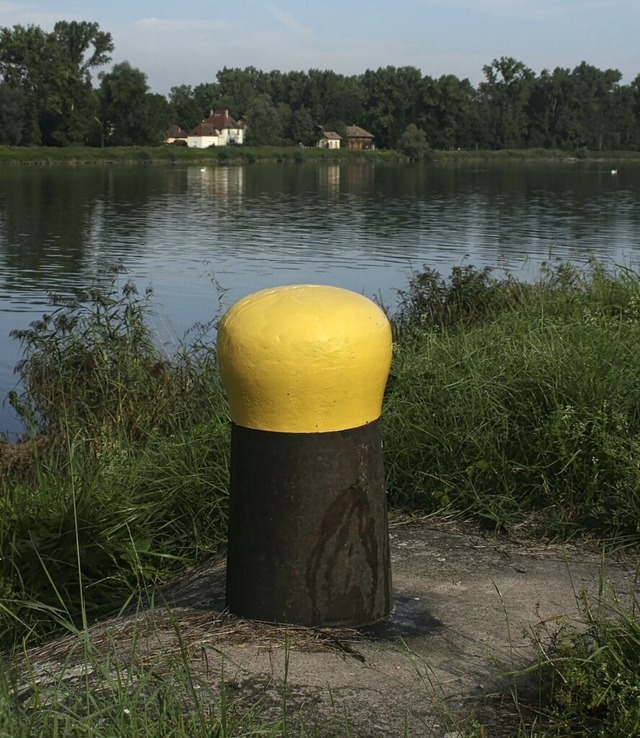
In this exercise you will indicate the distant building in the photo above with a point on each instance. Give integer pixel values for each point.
(358, 138)
(329, 140)
(219, 129)
(175, 135)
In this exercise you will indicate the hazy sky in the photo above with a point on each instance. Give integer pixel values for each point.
(186, 42)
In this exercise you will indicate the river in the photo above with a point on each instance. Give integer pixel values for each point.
(203, 236)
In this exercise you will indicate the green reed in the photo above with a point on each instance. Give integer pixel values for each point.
(124, 468)
(527, 406)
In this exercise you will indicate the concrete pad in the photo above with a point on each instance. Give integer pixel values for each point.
(466, 605)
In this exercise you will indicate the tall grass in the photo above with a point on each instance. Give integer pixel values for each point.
(110, 693)
(508, 401)
(125, 475)
(92, 371)
(513, 403)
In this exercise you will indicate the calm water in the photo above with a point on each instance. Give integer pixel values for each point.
(182, 230)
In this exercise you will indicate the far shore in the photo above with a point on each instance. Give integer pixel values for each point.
(45, 156)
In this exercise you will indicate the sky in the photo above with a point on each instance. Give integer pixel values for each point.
(187, 42)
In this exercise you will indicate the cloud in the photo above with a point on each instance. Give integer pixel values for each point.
(289, 22)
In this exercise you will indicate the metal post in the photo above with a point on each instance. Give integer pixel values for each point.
(305, 368)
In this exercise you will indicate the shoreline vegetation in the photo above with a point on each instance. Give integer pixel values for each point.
(239, 155)
(512, 405)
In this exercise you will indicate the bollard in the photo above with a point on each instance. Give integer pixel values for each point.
(304, 368)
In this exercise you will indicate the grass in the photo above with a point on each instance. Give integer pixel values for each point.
(127, 462)
(103, 692)
(582, 681)
(74, 155)
(504, 156)
(513, 404)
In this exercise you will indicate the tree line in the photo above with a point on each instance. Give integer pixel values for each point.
(48, 96)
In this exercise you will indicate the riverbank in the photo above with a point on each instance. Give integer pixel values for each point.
(509, 405)
(80, 155)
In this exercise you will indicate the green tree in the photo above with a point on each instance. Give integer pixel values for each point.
(130, 114)
(24, 60)
(345, 104)
(448, 112)
(83, 47)
(238, 88)
(11, 115)
(548, 109)
(53, 71)
(303, 127)
(622, 121)
(392, 101)
(294, 86)
(583, 107)
(264, 124)
(185, 109)
(413, 143)
(285, 115)
(505, 97)
(333, 99)
(207, 97)
(634, 113)
(592, 99)
(158, 115)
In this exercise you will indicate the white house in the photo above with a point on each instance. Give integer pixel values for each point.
(219, 129)
(329, 140)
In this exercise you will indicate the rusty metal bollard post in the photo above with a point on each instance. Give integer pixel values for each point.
(305, 367)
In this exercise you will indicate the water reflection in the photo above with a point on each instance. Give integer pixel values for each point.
(329, 181)
(221, 184)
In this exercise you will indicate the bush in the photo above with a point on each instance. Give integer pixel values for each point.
(413, 143)
(92, 369)
(467, 298)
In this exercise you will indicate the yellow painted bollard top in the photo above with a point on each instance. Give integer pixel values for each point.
(304, 359)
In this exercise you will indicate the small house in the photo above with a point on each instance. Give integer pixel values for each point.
(176, 136)
(329, 140)
(358, 138)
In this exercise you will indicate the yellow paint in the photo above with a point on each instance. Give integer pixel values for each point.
(304, 359)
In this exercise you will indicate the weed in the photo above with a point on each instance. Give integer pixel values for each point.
(584, 681)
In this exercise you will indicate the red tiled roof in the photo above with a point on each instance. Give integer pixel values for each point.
(205, 129)
(217, 121)
(331, 135)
